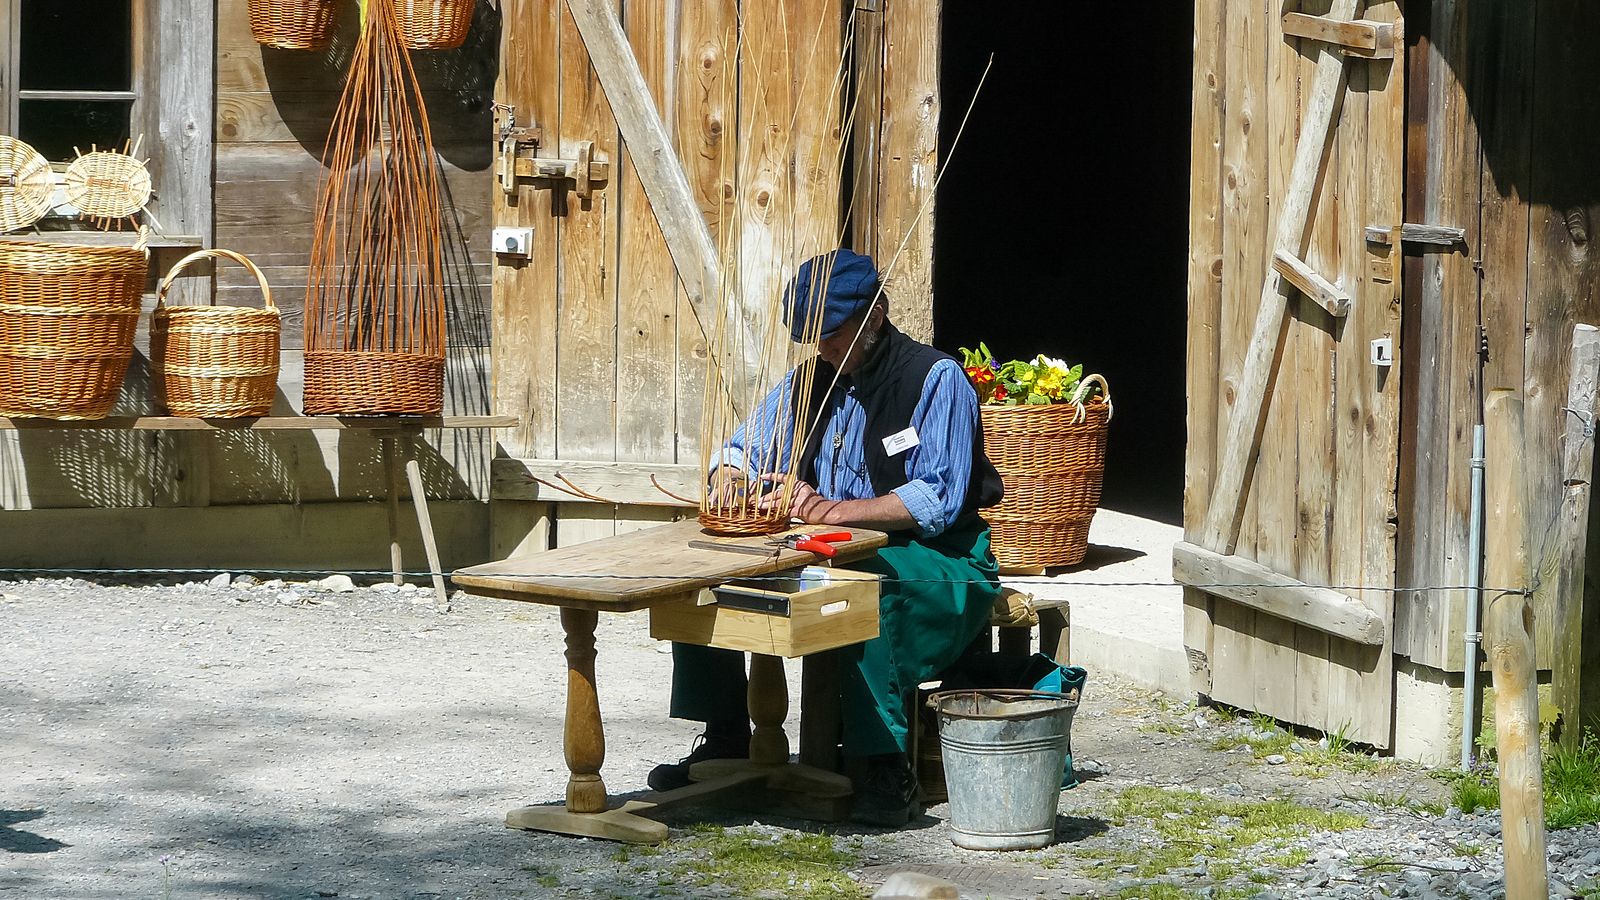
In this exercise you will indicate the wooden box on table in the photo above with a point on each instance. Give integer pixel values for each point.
(789, 614)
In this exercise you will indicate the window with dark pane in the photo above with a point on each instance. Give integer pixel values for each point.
(56, 127)
(74, 75)
(86, 45)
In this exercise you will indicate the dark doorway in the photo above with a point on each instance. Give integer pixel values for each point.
(1063, 217)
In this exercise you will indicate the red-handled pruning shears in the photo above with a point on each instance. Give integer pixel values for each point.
(820, 544)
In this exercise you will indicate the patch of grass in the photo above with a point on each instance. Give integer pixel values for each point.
(1289, 859)
(794, 865)
(1162, 728)
(1160, 890)
(1188, 825)
(1469, 849)
(1571, 785)
(1376, 864)
(1401, 800)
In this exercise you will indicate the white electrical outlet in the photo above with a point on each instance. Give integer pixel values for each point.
(1383, 352)
(516, 242)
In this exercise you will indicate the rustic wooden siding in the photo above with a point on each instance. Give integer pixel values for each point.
(597, 347)
(1506, 136)
(236, 139)
(1322, 493)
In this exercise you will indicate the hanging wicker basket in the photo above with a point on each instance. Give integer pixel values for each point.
(215, 362)
(67, 319)
(434, 24)
(293, 24)
(1052, 459)
(26, 185)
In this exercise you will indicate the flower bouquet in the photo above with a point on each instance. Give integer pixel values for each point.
(1044, 428)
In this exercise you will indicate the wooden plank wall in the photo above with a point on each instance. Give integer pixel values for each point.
(1322, 494)
(596, 344)
(1510, 131)
(262, 138)
(273, 111)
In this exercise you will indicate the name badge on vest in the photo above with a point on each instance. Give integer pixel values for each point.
(901, 441)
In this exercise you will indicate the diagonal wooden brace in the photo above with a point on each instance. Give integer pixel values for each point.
(1238, 452)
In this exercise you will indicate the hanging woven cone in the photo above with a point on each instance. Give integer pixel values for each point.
(375, 326)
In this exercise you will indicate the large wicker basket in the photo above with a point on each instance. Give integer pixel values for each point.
(1052, 459)
(67, 319)
(434, 24)
(215, 362)
(292, 24)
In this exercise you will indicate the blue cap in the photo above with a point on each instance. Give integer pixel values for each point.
(848, 282)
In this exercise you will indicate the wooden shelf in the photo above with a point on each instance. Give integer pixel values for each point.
(265, 423)
(108, 239)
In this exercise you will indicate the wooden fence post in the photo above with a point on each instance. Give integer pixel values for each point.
(1575, 675)
(1508, 641)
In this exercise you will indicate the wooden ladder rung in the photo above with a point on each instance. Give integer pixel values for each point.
(1323, 292)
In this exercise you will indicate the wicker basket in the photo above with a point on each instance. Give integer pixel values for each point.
(215, 362)
(1052, 459)
(293, 24)
(67, 319)
(373, 383)
(434, 24)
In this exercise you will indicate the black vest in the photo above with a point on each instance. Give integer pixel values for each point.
(888, 387)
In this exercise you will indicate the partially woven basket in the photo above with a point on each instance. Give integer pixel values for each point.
(373, 383)
(25, 184)
(293, 24)
(434, 24)
(215, 362)
(67, 320)
(1052, 459)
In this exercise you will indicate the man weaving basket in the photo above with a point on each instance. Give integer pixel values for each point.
(896, 447)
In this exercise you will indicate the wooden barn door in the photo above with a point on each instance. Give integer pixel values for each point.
(1293, 428)
(640, 140)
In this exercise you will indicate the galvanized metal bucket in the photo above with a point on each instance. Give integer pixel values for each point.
(1003, 755)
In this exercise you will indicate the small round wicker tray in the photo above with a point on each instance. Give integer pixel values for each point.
(25, 185)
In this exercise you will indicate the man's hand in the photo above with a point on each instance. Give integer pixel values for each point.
(728, 486)
(805, 503)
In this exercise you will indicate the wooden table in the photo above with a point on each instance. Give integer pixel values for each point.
(627, 573)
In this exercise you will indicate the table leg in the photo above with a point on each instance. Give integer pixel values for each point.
(584, 743)
(768, 698)
(584, 740)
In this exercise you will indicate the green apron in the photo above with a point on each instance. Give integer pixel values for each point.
(938, 594)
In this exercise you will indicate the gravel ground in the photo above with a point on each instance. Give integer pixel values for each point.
(231, 740)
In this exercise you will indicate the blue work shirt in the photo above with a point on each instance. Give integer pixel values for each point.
(938, 469)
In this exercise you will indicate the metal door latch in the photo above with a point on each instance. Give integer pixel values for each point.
(517, 158)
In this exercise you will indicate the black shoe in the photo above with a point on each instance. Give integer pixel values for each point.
(887, 796)
(714, 744)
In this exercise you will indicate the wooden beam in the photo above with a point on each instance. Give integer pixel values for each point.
(1258, 587)
(1238, 449)
(1575, 669)
(1323, 292)
(265, 423)
(1430, 235)
(1371, 40)
(659, 170)
(622, 483)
